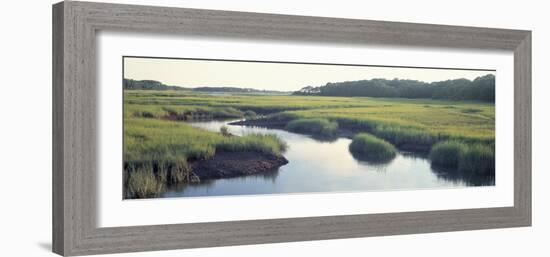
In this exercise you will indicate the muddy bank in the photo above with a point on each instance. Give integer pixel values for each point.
(148, 179)
(234, 164)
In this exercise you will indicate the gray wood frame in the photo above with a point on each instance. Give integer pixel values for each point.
(74, 130)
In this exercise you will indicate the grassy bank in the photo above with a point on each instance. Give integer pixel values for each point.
(163, 140)
(157, 152)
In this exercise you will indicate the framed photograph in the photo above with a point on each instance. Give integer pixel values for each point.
(181, 128)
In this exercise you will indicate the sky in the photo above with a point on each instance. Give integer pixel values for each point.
(272, 76)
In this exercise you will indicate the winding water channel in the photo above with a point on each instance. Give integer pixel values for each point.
(321, 166)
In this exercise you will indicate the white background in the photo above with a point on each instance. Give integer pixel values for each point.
(25, 131)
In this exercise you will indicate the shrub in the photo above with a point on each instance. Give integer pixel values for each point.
(371, 148)
(317, 126)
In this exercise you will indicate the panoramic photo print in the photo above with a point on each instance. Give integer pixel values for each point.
(199, 127)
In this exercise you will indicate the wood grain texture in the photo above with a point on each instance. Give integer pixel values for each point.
(522, 128)
(75, 25)
(58, 217)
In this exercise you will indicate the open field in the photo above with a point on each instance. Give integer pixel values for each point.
(157, 138)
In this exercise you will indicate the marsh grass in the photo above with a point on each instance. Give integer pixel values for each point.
(410, 124)
(406, 137)
(478, 158)
(157, 152)
(370, 148)
(150, 178)
(158, 147)
(433, 120)
(447, 153)
(412, 127)
(471, 110)
(202, 113)
(163, 140)
(268, 144)
(144, 114)
(407, 115)
(142, 183)
(315, 126)
(466, 157)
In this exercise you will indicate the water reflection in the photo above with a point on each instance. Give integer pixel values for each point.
(208, 185)
(327, 165)
(369, 161)
(470, 178)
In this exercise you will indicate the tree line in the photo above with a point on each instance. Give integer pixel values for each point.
(148, 85)
(131, 84)
(481, 89)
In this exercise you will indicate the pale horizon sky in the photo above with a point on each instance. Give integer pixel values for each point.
(273, 76)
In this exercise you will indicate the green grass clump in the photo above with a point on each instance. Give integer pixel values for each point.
(466, 157)
(447, 153)
(402, 136)
(142, 183)
(177, 172)
(315, 126)
(478, 158)
(146, 179)
(371, 148)
(269, 144)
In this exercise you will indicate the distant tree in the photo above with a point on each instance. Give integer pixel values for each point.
(486, 87)
(480, 89)
(131, 84)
